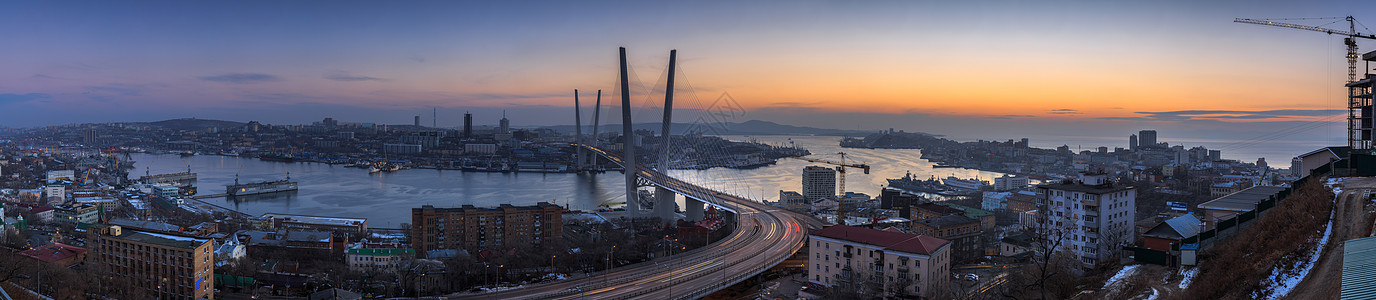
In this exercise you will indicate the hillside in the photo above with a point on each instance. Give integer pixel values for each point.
(752, 127)
(195, 124)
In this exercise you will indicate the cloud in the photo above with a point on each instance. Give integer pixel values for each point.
(242, 78)
(1192, 115)
(16, 98)
(1005, 117)
(118, 88)
(345, 76)
(43, 76)
(1065, 111)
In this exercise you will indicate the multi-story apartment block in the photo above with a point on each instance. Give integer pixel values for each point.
(882, 263)
(153, 265)
(473, 228)
(963, 232)
(1092, 217)
(818, 183)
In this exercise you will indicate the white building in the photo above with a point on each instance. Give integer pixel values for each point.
(1094, 216)
(55, 194)
(401, 148)
(480, 148)
(1006, 183)
(903, 264)
(384, 260)
(819, 183)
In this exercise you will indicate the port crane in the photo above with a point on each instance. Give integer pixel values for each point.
(841, 179)
(1350, 40)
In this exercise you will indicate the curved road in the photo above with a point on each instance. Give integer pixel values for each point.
(764, 236)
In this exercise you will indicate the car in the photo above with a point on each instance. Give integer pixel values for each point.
(955, 276)
(971, 277)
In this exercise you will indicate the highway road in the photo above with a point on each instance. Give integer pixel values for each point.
(764, 236)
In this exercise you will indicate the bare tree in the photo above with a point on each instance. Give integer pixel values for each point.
(1050, 260)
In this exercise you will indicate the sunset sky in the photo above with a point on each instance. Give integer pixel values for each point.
(1003, 68)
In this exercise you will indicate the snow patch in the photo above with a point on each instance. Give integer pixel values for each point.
(1335, 183)
(1187, 276)
(1154, 293)
(1280, 283)
(1122, 274)
(501, 288)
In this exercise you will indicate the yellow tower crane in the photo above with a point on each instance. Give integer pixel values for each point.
(1351, 34)
(841, 180)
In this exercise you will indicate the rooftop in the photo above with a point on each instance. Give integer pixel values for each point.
(53, 252)
(1359, 269)
(149, 225)
(897, 241)
(1177, 228)
(382, 251)
(538, 206)
(937, 208)
(1243, 200)
(969, 211)
(947, 221)
(1076, 186)
(317, 220)
(169, 240)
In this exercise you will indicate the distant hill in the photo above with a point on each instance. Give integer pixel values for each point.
(752, 127)
(194, 124)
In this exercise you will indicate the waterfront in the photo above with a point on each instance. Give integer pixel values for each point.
(386, 199)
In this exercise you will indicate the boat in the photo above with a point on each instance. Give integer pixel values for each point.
(276, 157)
(916, 185)
(967, 184)
(262, 187)
(187, 153)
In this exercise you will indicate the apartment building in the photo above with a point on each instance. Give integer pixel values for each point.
(900, 264)
(153, 265)
(1093, 216)
(473, 228)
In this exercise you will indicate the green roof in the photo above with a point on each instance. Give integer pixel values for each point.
(1359, 269)
(382, 251)
(973, 213)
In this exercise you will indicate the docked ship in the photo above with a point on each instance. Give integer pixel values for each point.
(276, 157)
(916, 185)
(967, 184)
(264, 187)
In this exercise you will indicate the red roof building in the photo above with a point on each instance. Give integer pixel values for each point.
(845, 256)
(60, 254)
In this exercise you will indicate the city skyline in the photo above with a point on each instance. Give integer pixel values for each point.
(956, 69)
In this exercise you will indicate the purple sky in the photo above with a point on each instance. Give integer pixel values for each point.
(997, 69)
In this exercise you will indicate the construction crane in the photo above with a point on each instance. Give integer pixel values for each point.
(841, 180)
(1351, 34)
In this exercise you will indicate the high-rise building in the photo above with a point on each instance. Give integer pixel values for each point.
(473, 228)
(152, 265)
(1092, 218)
(417, 122)
(467, 124)
(88, 136)
(505, 125)
(1296, 166)
(818, 183)
(1146, 138)
(1132, 142)
(903, 265)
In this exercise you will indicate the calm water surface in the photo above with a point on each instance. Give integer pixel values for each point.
(386, 199)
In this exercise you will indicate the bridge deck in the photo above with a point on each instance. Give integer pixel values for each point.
(764, 237)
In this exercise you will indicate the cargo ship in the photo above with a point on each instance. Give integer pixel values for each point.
(276, 157)
(264, 187)
(909, 183)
